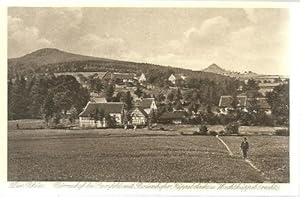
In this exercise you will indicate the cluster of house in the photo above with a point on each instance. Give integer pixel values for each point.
(267, 83)
(140, 113)
(119, 77)
(243, 103)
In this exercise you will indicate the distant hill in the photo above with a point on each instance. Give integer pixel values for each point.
(55, 61)
(214, 68)
(52, 56)
(48, 56)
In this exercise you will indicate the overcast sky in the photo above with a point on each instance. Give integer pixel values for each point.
(235, 39)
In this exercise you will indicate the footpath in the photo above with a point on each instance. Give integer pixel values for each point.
(249, 162)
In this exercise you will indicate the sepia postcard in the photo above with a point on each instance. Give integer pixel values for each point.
(149, 98)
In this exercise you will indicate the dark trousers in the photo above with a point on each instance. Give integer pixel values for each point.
(245, 153)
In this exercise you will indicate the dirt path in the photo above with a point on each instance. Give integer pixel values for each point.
(246, 160)
(228, 149)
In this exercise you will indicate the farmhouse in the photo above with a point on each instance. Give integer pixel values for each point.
(267, 87)
(142, 78)
(98, 100)
(79, 75)
(175, 77)
(262, 104)
(114, 109)
(270, 78)
(147, 104)
(206, 109)
(124, 77)
(138, 116)
(175, 117)
(244, 102)
(225, 103)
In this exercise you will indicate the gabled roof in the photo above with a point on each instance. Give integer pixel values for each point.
(123, 75)
(109, 107)
(268, 85)
(226, 101)
(101, 75)
(140, 109)
(179, 76)
(99, 100)
(145, 103)
(261, 102)
(173, 115)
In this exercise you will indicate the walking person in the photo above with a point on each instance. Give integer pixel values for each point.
(245, 147)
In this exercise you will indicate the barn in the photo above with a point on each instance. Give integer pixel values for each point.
(114, 109)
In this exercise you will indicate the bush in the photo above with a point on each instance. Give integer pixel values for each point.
(232, 128)
(282, 132)
(222, 132)
(203, 130)
(213, 133)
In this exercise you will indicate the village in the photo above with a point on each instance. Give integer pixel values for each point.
(144, 111)
(147, 94)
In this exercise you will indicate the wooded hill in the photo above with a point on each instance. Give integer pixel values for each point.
(50, 60)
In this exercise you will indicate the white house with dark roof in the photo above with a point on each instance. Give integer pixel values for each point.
(267, 87)
(174, 77)
(225, 103)
(124, 77)
(142, 78)
(147, 104)
(114, 109)
(98, 100)
(138, 116)
(262, 104)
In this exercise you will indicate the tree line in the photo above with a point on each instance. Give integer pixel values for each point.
(45, 96)
(50, 97)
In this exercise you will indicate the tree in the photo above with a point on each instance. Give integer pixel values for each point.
(73, 114)
(178, 105)
(170, 97)
(37, 96)
(19, 99)
(127, 99)
(10, 87)
(98, 115)
(177, 95)
(111, 122)
(138, 91)
(160, 97)
(48, 108)
(152, 118)
(109, 91)
(234, 102)
(278, 99)
(232, 128)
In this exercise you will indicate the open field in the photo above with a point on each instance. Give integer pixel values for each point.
(269, 154)
(140, 156)
(31, 124)
(26, 124)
